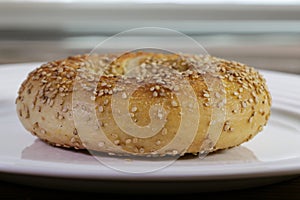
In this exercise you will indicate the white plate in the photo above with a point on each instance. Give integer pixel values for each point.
(272, 156)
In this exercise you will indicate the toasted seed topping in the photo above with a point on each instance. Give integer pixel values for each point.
(56, 79)
(134, 140)
(124, 95)
(105, 102)
(174, 103)
(134, 109)
(141, 150)
(164, 131)
(206, 95)
(128, 141)
(250, 119)
(101, 109)
(226, 127)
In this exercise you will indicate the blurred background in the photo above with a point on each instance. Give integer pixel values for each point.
(261, 33)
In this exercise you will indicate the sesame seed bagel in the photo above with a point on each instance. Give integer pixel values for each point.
(144, 103)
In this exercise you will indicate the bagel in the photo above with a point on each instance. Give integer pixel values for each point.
(69, 103)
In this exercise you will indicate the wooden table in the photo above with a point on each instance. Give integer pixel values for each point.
(283, 190)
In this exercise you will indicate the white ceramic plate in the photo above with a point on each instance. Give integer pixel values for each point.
(272, 156)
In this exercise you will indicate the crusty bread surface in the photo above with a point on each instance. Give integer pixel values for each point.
(52, 102)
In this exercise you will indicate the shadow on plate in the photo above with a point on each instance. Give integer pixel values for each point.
(40, 151)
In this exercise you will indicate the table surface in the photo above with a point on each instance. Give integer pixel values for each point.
(283, 190)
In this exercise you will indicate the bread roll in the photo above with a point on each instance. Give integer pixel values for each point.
(52, 103)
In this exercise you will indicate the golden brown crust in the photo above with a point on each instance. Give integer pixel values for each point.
(44, 102)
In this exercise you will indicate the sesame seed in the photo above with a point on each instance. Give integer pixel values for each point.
(65, 109)
(221, 104)
(75, 131)
(160, 114)
(158, 142)
(155, 94)
(174, 103)
(226, 127)
(244, 104)
(141, 150)
(116, 142)
(101, 92)
(164, 131)
(101, 109)
(60, 117)
(223, 69)
(206, 95)
(245, 86)
(261, 111)
(105, 102)
(128, 141)
(134, 140)
(174, 152)
(250, 119)
(48, 101)
(176, 88)
(235, 93)
(124, 95)
(208, 104)
(73, 140)
(256, 99)
(217, 95)
(134, 109)
(60, 70)
(61, 89)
